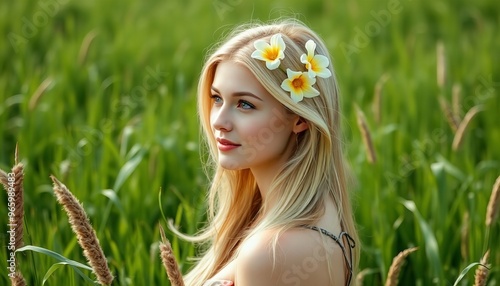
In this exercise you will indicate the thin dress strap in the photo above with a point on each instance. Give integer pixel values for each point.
(339, 240)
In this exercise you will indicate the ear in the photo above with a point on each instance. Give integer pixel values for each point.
(300, 125)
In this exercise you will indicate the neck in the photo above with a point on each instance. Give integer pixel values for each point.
(266, 173)
(264, 178)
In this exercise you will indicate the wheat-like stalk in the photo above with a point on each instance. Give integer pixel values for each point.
(457, 140)
(464, 237)
(455, 101)
(84, 49)
(17, 279)
(493, 204)
(481, 275)
(445, 107)
(4, 179)
(360, 277)
(441, 65)
(85, 234)
(16, 221)
(39, 92)
(366, 135)
(377, 97)
(397, 263)
(169, 262)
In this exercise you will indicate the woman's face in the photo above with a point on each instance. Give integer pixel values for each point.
(253, 130)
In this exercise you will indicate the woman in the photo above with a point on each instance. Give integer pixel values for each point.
(278, 207)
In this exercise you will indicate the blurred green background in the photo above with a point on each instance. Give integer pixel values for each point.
(102, 95)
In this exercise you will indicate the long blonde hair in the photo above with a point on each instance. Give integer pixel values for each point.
(314, 172)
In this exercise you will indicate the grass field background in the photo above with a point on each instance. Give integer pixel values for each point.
(102, 95)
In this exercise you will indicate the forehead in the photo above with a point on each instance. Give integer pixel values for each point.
(232, 77)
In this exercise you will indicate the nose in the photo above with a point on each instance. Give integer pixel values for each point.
(220, 118)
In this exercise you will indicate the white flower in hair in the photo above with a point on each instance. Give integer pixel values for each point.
(271, 53)
(299, 84)
(317, 65)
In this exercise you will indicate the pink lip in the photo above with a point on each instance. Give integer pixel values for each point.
(226, 145)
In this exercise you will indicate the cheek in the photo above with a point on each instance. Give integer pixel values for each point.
(212, 119)
(211, 122)
(266, 133)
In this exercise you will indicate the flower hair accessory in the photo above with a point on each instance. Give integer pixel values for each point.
(315, 64)
(272, 53)
(298, 83)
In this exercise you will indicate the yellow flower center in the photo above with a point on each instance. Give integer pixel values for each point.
(314, 65)
(297, 83)
(272, 53)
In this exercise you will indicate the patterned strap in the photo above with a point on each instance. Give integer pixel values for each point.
(219, 283)
(339, 240)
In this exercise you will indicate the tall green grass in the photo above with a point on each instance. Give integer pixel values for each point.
(117, 123)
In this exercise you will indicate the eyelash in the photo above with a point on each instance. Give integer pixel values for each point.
(215, 98)
(244, 102)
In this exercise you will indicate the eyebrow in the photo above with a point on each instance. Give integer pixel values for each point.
(239, 93)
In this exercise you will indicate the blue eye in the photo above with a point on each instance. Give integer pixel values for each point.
(245, 105)
(216, 98)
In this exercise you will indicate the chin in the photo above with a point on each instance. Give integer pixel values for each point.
(232, 167)
(230, 164)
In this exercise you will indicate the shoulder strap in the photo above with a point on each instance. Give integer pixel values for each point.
(340, 241)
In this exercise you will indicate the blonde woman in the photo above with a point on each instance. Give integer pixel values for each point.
(278, 205)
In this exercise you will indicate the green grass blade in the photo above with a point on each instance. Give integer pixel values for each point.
(431, 245)
(56, 266)
(161, 208)
(465, 271)
(63, 261)
(128, 169)
(53, 255)
(113, 197)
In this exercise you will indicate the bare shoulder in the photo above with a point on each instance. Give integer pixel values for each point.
(300, 258)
